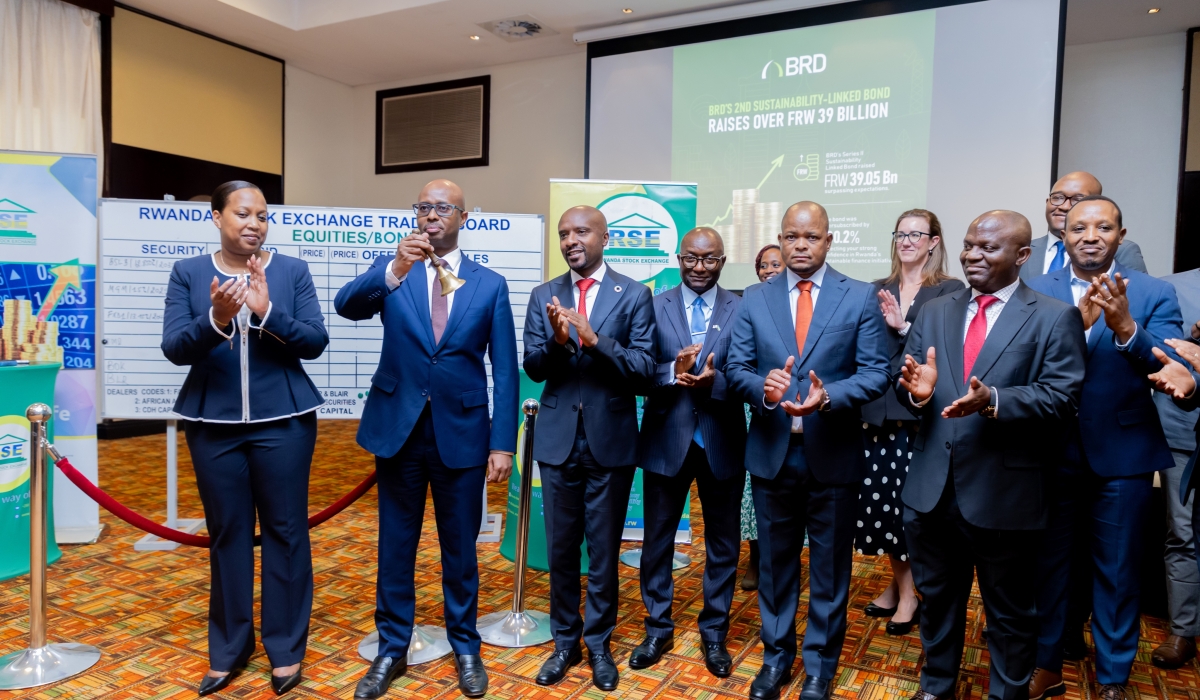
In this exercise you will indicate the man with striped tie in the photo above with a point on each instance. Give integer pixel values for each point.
(693, 429)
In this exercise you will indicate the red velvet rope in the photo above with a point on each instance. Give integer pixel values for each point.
(147, 525)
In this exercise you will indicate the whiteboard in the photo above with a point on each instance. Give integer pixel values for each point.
(140, 240)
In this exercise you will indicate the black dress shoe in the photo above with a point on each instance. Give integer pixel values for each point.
(816, 689)
(717, 659)
(472, 678)
(282, 684)
(873, 610)
(384, 669)
(555, 668)
(769, 682)
(650, 651)
(604, 671)
(899, 629)
(211, 684)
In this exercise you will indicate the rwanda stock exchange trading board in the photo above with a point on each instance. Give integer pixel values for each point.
(141, 240)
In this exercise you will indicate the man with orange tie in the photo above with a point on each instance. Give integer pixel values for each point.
(807, 351)
(589, 335)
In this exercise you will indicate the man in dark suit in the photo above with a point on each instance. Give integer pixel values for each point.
(1003, 372)
(1047, 253)
(589, 335)
(807, 351)
(427, 424)
(693, 429)
(1116, 446)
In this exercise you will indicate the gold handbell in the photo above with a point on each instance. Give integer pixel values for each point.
(448, 279)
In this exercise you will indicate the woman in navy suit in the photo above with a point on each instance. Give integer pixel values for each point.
(918, 275)
(243, 318)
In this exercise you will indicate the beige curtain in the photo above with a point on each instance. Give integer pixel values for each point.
(50, 78)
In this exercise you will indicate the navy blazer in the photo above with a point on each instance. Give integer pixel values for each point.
(277, 384)
(451, 375)
(671, 412)
(601, 381)
(1034, 358)
(1119, 430)
(844, 346)
(887, 407)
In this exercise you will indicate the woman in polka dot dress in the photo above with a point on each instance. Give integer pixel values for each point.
(918, 275)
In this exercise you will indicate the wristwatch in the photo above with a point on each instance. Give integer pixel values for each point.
(825, 402)
(990, 410)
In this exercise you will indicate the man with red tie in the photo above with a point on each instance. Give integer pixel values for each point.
(1002, 376)
(589, 335)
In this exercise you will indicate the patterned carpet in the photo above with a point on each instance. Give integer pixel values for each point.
(146, 611)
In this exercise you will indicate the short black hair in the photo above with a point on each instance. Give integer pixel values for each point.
(220, 196)
(1101, 198)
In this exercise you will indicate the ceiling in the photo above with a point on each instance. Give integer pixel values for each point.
(358, 42)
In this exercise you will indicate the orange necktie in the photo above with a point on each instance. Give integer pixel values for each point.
(804, 311)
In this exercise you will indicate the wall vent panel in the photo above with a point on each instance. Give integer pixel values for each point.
(432, 126)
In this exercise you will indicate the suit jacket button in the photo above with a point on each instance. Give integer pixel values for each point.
(423, 392)
(947, 445)
(574, 407)
(435, 360)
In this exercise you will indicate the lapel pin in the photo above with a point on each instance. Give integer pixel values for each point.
(617, 289)
(716, 327)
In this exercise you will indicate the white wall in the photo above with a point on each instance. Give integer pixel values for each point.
(1122, 106)
(537, 125)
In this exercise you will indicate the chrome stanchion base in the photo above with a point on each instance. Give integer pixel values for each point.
(50, 664)
(634, 558)
(514, 630)
(428, 643)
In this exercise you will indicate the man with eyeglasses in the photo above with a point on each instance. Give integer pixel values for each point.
(1048, 254)
(427, 424)
(693, 429)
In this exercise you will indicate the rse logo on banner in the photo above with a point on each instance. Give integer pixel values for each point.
(14, 223)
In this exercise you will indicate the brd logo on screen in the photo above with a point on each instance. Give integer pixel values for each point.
(795, 65)
(640, 232)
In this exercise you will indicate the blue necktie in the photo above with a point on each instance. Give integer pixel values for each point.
(699, 329)
(1060, 258)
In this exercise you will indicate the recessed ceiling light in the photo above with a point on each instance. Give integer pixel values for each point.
(1153, 11)
(628, 10)
(474, 37)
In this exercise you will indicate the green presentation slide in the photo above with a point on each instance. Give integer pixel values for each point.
(838, 114)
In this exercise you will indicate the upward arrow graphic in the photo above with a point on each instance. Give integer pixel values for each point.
(66, 275)
(775, 165)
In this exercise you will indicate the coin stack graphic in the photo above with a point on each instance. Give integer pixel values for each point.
(743, 227)
(766, 226)
(23, 337)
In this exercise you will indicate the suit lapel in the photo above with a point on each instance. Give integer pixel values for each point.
(565, 292)
(611, 289)
(828, 299)
(674, 301)
(1013, 316)
(462, 297)
(719, 320)
(955, 329)
(414, 287)
(781, 310)
(924, 294)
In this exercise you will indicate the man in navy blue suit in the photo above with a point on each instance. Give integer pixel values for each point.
(1116, 446)
(589, 335)
(427, 424)
(693, 429)
(807, 351)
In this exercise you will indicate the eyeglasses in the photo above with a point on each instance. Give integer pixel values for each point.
(911, 237)
(1057, 198)
(442, 208)
(709, 263)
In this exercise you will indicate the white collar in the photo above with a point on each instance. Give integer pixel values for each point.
(1002, 294)
(817, 278)
(598, 275)
(452, 259)
(689, 296)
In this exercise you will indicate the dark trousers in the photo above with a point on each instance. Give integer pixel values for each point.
(404, 479)
(244, 470)
(1109, 544)
(664, 498)
(947, 553)
(785, 507)
(583, 498)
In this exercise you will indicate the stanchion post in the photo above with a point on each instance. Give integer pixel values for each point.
(520, 627)
(41, 663)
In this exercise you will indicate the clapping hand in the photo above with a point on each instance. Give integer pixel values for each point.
(587, 336)
(976, 399)
(227, 299)
(890, 308)
(920, 380)
(1174, 379)
(257, 297)
(685, 359)
(1113, 300)
(816, 397)
(777, 382)
(559, 323)
(1089, 308)
(705, 378)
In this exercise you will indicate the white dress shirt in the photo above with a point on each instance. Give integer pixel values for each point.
(1078, 287)
(592, 292)
(690, 297)
(817, 278)
(1052, 242)
(451, 260)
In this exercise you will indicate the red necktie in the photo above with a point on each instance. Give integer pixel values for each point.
(976, 334)
(584, 285)
(804, 311)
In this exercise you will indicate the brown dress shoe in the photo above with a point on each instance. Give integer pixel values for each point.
(1112, 692)
(1046, 684)
(1174, 652)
